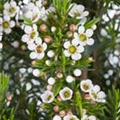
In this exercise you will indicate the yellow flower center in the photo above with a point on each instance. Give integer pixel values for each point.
(83, 37)
(5, 24)
(32, 35)
(49, 97)
(66, 94)
(86, 87)
(94, 95)
(39, 49)
(72, 119)
(72, 49)
(12, 10)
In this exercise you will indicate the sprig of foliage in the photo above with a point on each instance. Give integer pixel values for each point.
(4, 81)
(112, 111)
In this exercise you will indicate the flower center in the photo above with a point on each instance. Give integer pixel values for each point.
(49, 97)
(66, 94)
(12, 10)
(72, 49)
(39, 49)
(72, 119)
(32, 35)
(86, 87)
(94, 95)
(5, 24)
(82, 37)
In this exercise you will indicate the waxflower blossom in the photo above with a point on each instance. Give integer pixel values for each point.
(31, 34)
(6, 24)
(66, 94)
(38, 49)
(86, 117)
(70, 117)
(33, 12)
(86, 85)
(73, 50)
(97, 95)
(57, 117)
(77, 11)
(11, 8)
(47, 97)
(84, 36)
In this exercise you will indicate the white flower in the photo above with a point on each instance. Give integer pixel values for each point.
(38, 49)
(73, 50)
(77, 72)
(86, 117)
(77, 11)
(70, 117)
(51, 81)
(70, 79)
(66, 94)
(50, 53)
(6, 24)
(11, 9)
(57, 117)
(86, 85)
(31, 34)
(84, 36)
(31, 12)
(97, 95)
(36, 72)
(47, 97)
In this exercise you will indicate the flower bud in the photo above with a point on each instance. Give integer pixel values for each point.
(49, 87)
(62, 113)
(69, 34)
(72, 27)
(47, 39)
(56, 108)
(43, 28)
(59, 75)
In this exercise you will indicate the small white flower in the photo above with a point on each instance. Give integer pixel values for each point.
(57, 117)
(66, 94)
(48, 62)
(70, 117)
(73, 50)
(47, 97)
(97, 95)
(31, 34)
(77, 11)
(50, 53)
(38, 49)
(84, 36)
(11, 8)
(31, 12)
(70, 79)
(53, 29)
(36, 72)
(77, 72)
(86, 117)
(6, 24)
(86, 85)
(1, 45)
(51, 81)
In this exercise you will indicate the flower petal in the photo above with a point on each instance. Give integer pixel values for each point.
(81, 29)
(89, 32)
(76, 56)
(33, 55)
(90, 41)
(67, 44)
(67, 54)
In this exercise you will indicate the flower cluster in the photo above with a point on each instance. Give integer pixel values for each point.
(57, 38)
(7, 22)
